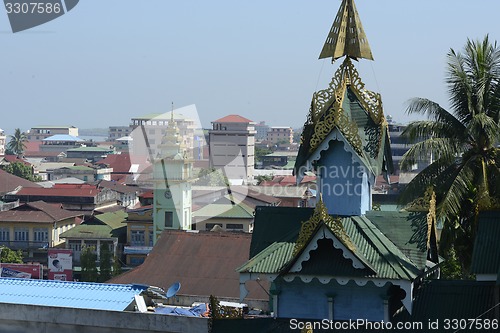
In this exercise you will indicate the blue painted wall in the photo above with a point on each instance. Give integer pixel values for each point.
(310, 300)
(343, 183)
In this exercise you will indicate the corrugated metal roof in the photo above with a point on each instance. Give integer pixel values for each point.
(82, 295)
(270, 260)
(63, 137)
(115, 219)
(204, 263)
(486, 254)
(89, 231)
(445, 299)
(372, 245)
(238, 211)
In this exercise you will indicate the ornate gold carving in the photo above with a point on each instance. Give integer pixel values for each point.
(431, 219)
(334, 223)
(326, 111)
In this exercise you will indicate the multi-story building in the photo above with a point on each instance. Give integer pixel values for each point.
(116, 132)
(39, 133)
(232, 147)
(261, 130)
(280, 134)
(154, 126)
(2, 142)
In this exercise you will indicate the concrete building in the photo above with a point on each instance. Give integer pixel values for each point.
(2, 142)
(280, 134)
(92, 154)
(35, 226)
(60, 143)
(147, 131)
(39, 133)
(261, 130)
(85, 173)
(116, 132)
(232, 148)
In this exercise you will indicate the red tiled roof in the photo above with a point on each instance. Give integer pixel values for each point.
(204, 263)
(37, 211)
(232, 118)
(9, 182)
(293, 180)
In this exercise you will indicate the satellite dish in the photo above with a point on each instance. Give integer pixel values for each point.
(173, 289)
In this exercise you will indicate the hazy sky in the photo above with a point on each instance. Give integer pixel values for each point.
(109, 60)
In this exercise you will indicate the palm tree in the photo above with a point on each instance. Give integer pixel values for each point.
(17, 143)
(462, 144)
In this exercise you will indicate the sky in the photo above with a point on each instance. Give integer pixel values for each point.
(105, 62)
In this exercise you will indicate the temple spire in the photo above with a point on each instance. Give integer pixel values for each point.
(346, 37)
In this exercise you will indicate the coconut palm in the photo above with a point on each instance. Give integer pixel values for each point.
(17, 143)
(462, 143)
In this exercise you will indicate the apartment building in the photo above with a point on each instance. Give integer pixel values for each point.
(232, 148)
(39, 133)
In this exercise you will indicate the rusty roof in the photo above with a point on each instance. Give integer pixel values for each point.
(204, 263)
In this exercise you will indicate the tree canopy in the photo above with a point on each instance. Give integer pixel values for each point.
(17, 142)
(461, 143)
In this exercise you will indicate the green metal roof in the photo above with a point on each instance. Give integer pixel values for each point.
(406, 230)
(271, 260)
(237, 211)
(486, 254)
(89, 231)
(386, 257)
(445, 299)
(276, 224)
(113, 219)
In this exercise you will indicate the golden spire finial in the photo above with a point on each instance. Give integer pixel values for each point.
(346, 37)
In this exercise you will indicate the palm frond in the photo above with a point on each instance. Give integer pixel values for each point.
(418, 130)
(443, 149)
(433, 111)
(433, 175)
(484, 130)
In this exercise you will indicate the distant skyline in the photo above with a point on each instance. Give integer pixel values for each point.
(105, 62)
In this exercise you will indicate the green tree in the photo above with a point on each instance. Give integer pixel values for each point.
(88, 260)
(11, 256)
(462, 145)
(263, 178)
(17, 142)
(105, 263)
(259, 152)
(21, 170)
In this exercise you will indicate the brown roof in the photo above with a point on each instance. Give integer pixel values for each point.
(37, 211)
(255, 194)
(60, 192)
(232, 118)
(119, 162)
(204, 263)
(115, 186)
(9, 182)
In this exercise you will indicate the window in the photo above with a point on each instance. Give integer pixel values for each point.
(234, 226)
(41, 235)
(21, 236)
(169, 219)
(137, 238)
(4, 235)
(151, 237)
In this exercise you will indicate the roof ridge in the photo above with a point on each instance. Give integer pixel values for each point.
(385, 244)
